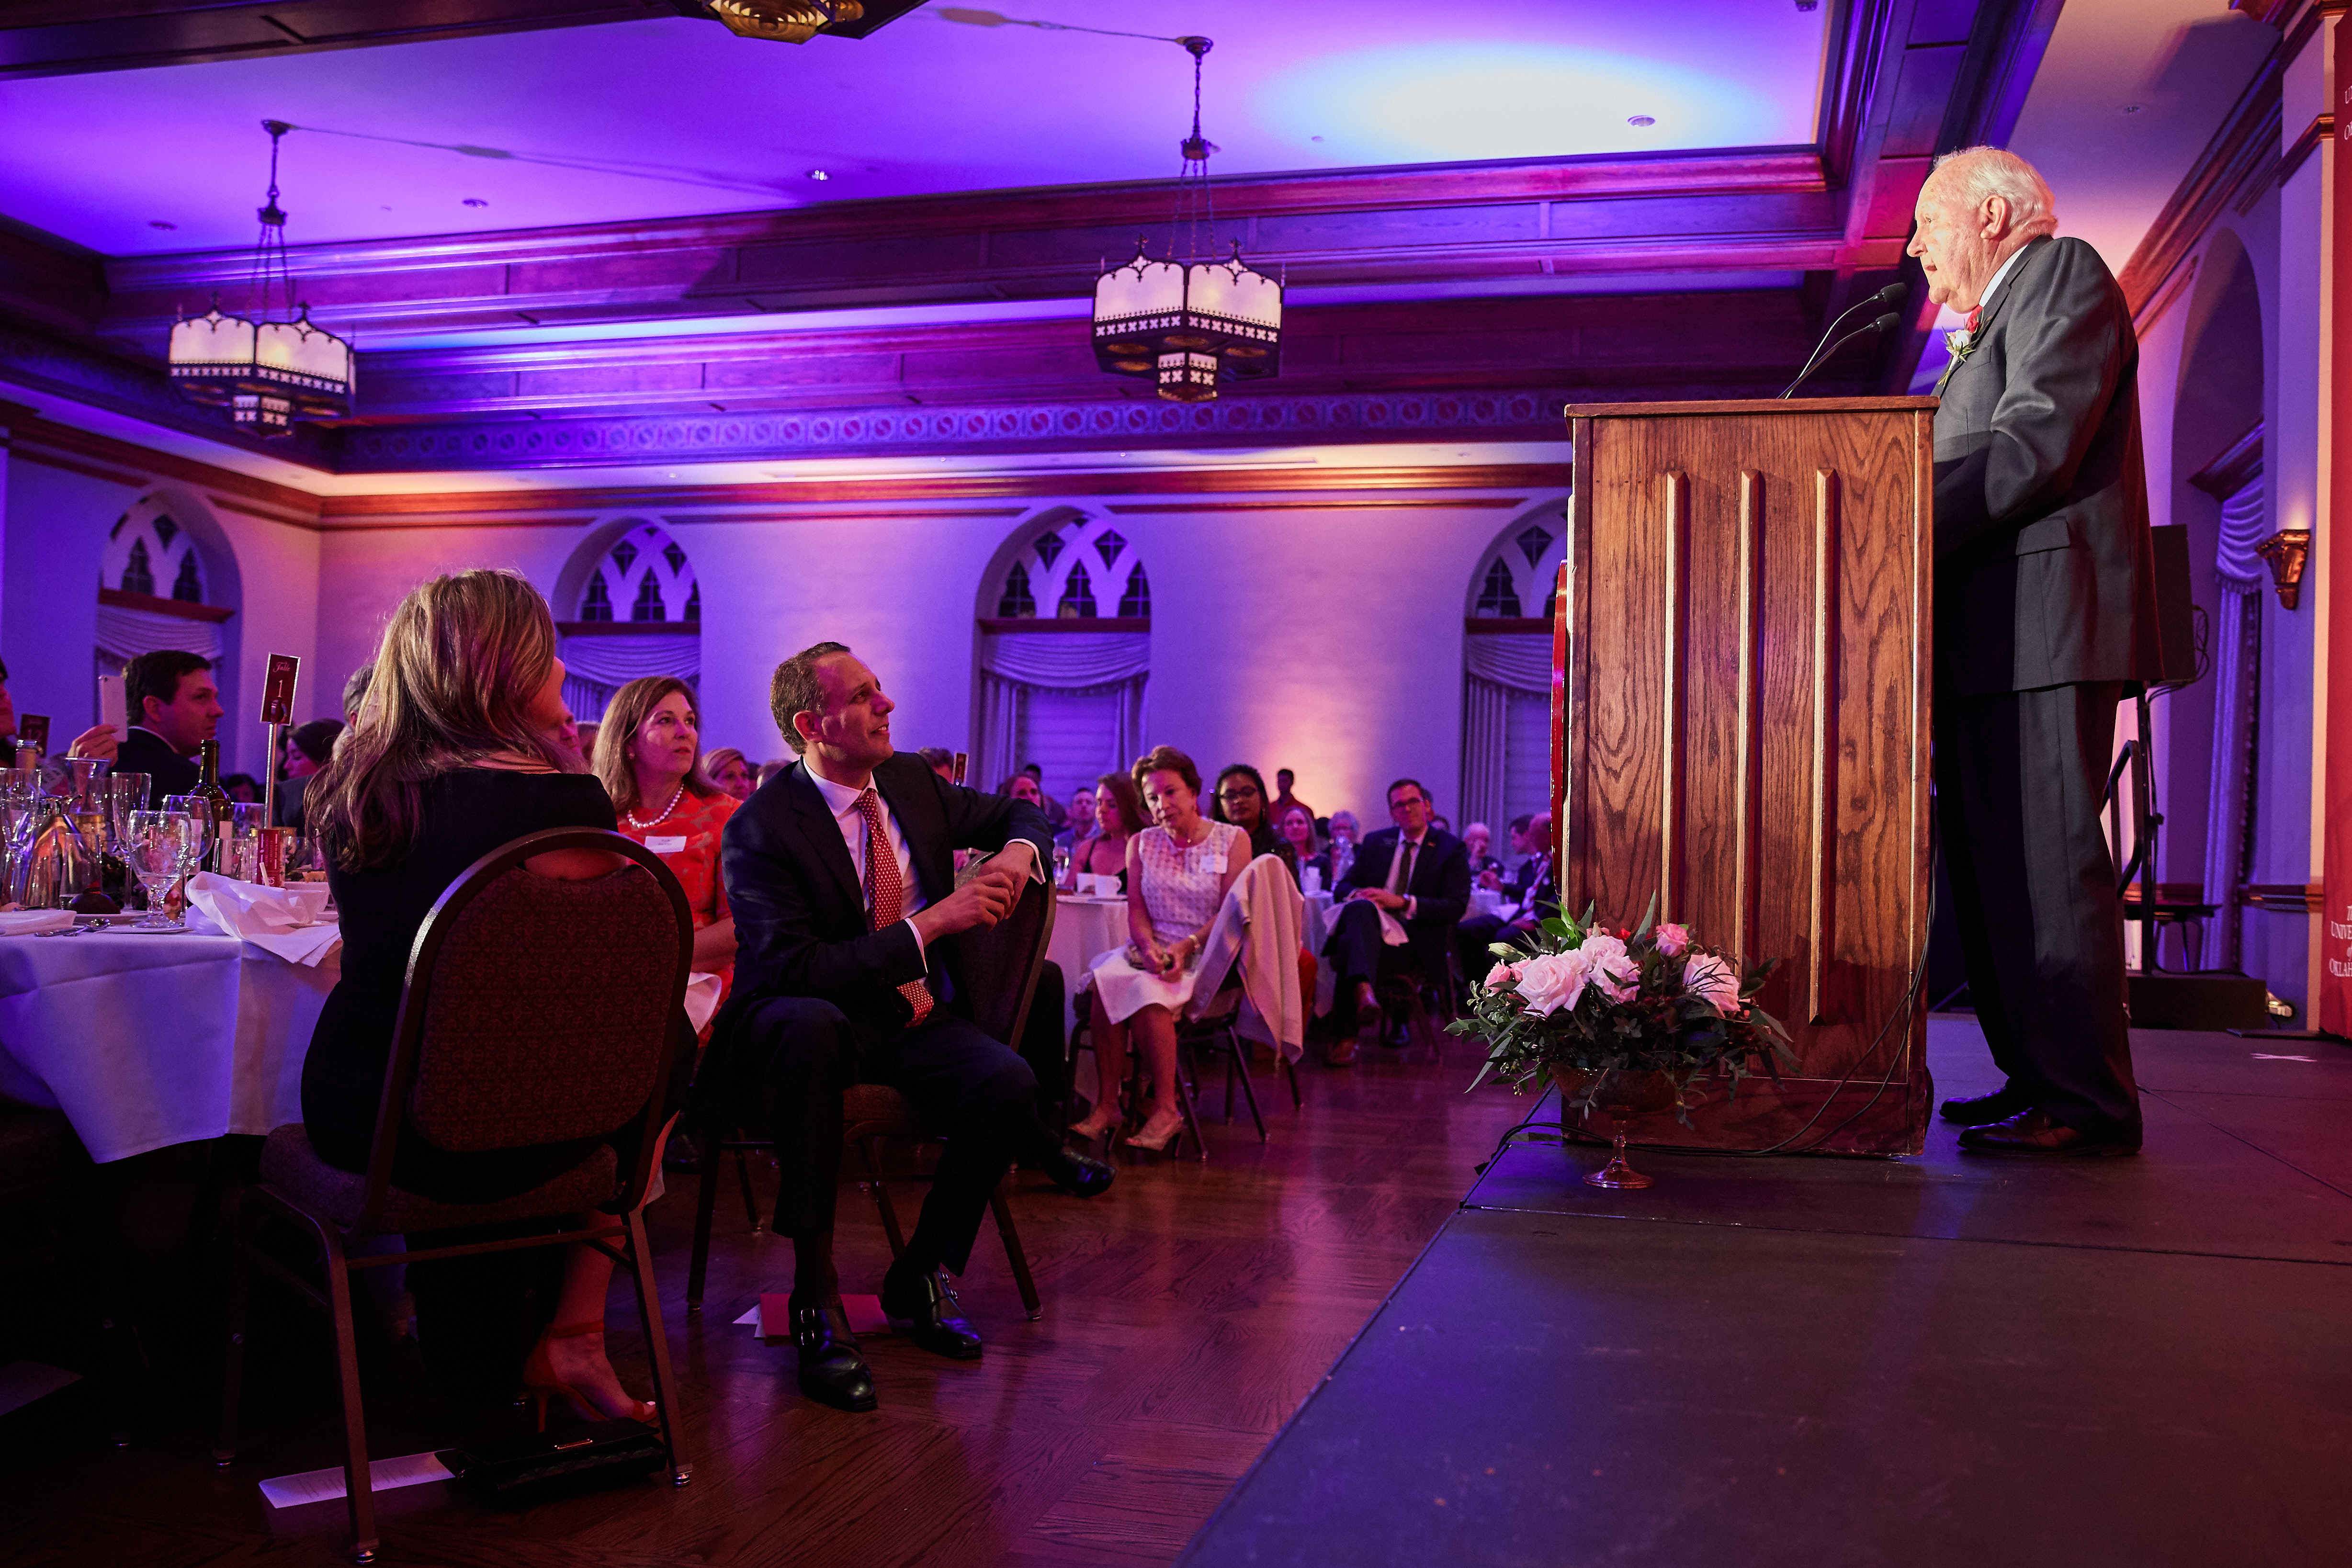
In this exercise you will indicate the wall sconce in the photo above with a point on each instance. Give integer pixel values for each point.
(2286, 550)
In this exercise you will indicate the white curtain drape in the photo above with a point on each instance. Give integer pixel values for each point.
(2237, 678)
(1014, 663)
(596, 667)
(1495, 669)
(124, 635)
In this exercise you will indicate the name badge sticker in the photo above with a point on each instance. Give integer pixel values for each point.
(668, 844)
(1212, 860)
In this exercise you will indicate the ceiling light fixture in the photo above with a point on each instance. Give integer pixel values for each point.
(784, 21)
(268, 373)
(1188, 324)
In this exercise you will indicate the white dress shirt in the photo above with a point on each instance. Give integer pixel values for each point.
(1999, 273)
(1396, 870)
(842, 799)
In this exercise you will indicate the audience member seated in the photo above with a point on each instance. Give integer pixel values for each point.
(1055, 817)
(242, 789)
(1177, 872)
(731, 771)
(1345, 837)
(1118, 817)
(1082, 821)
(1479, 839)
(1296, 827)
(1241, 799)
(355, 690)
(1020, 786)
(769, 770)
(173, 707)
(649, 755)
(585, 738)
(566, 737)
(453, 760)
(1415, 874)
(848, 969)
(1282, 798)
(941, 761)
(1528, 893)
(307, 748)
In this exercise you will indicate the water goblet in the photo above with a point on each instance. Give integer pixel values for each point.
(161, 847)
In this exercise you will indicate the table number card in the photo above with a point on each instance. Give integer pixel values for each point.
(278, 689)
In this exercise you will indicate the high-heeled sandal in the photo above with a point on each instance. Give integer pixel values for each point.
(539, 1380)
(1136, 1140)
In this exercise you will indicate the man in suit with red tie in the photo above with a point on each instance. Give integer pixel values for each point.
(1415, 873)
(2044, 620)
(841, 875)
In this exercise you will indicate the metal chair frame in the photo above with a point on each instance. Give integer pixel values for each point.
(334, 1298)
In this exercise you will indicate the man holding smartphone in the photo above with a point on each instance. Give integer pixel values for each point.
(177, 708)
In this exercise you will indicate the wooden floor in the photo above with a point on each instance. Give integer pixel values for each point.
(1188, 1312)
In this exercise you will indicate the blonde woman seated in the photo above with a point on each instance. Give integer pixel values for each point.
(1178, 873)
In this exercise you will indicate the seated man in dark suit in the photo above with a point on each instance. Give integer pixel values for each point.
(840, 873)
(173, 706)
(1415, 872)
(1530, 891)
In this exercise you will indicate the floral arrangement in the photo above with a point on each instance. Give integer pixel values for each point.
(1579, 1003)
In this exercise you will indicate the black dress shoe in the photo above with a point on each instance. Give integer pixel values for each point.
(831, 1372)
(2033, 1133)
(1080, 1176)
(1983, 1110)
(923, 1315)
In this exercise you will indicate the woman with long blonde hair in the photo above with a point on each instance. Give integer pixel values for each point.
(451, 759)
(649, 755)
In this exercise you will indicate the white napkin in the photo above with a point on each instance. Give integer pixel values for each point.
(33, 922)
(272, 918)
(701, 999)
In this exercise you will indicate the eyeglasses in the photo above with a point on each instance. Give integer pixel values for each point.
(1236, 791)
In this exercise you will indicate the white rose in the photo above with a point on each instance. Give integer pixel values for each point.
(1554, 981)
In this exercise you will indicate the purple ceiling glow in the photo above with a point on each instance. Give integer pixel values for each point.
(651, 120)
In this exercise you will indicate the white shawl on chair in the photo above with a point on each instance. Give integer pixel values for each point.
(1260, 922)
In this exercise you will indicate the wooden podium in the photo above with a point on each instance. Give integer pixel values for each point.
(1741, 660)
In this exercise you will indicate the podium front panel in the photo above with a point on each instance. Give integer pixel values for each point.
(1744, 729)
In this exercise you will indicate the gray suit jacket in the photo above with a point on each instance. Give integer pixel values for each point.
(2042, 569)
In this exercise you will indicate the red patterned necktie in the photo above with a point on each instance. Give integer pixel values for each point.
(888, 894)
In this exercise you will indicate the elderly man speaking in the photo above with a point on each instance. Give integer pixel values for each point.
(2044, 620)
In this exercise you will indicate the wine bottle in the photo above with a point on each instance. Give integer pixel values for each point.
(216, 803)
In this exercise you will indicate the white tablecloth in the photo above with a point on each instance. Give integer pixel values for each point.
(1084, 929)
(148, 1041)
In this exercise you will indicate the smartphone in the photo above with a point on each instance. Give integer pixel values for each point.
(110, 705)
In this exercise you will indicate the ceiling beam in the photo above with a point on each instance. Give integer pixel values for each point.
(67, 37)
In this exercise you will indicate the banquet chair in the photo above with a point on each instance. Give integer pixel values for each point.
(1001, 965)
(536, 1012)
(46, 1173)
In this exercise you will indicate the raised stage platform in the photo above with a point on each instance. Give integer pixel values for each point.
(1818, 1361)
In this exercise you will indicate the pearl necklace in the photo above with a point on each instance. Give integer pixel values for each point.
(631, 817)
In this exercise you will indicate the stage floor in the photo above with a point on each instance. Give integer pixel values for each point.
(1940, 1360)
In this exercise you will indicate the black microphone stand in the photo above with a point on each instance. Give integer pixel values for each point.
(1881, 325)
(1889, 295)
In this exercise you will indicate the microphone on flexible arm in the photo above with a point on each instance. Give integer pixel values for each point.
(1892, 294)
(1883, 324)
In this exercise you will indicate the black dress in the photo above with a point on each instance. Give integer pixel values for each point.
(469, 812)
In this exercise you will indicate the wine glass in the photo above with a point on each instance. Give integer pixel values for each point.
(161, 847)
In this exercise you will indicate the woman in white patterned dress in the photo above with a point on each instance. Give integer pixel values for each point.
(1178, 872)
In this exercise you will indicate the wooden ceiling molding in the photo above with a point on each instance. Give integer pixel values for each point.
(36, 440)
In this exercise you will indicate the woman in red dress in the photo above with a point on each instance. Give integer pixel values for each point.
(649, 755)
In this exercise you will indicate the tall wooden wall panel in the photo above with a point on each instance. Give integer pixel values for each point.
(1744, 731)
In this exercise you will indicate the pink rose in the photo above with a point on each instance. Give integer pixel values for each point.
(1553, 981)
(1501, 975)
(1673, 940)
(1609, 963)
(1710, 979)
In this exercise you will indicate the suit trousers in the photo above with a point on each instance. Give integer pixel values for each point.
(791, 1059)
(1357, 951)
(2019, 777)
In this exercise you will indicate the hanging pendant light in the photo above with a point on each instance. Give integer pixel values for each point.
(267, 373)
(1188, 324)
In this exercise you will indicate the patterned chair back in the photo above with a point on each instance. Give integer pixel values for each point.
(1001, 963)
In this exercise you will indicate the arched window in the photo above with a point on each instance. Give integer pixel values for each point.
(1507, 674)
(1064, 690)
(604, 649)
(146, 548)
(155, 592)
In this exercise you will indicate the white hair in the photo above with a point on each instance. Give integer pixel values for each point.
(1975, 174)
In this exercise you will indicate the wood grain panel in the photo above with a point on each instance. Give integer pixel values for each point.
(1745, 725)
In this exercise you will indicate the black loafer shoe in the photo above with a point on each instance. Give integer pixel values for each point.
(924, 1317)
(1983, 1110)
(831, 1372)
(2033, 1133)
(1080, 1176)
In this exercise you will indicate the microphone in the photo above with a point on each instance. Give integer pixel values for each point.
(1881, 325)
(1892, 294)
